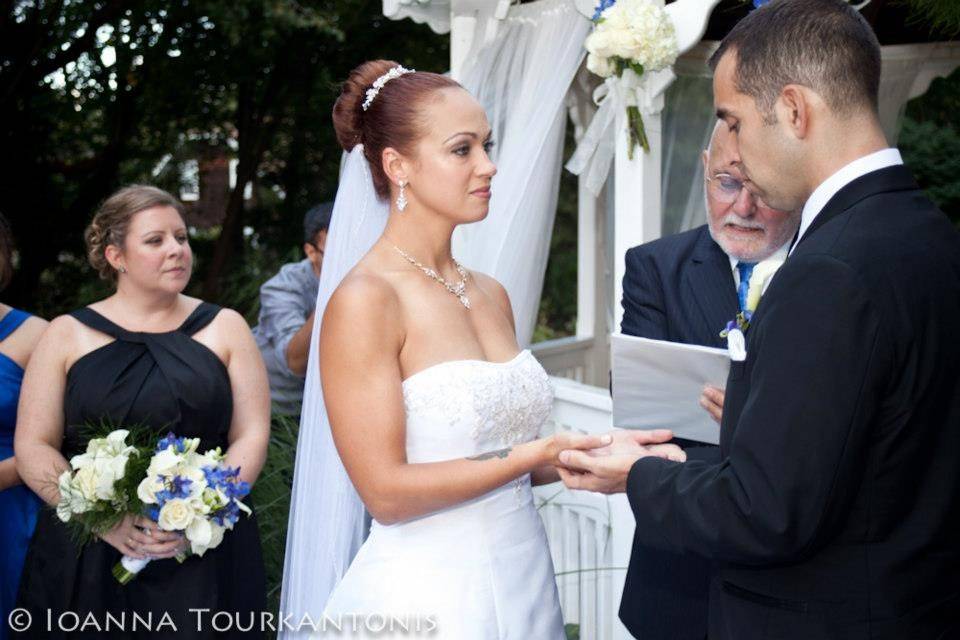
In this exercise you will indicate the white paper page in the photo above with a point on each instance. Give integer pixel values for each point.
(657, 385)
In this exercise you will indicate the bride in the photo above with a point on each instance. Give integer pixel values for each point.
(433, 408)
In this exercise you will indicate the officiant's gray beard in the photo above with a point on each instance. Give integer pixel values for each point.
(770, 242)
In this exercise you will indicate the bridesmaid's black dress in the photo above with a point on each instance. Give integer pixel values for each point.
(161, 381)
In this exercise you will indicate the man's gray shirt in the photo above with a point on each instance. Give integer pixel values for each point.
(286, 301)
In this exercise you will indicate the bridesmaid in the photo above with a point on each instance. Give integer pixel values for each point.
(148, 356)
(19, 333)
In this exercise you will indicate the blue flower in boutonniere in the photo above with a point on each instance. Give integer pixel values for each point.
(734, 331)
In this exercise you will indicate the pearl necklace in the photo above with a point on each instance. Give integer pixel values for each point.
(458, 289)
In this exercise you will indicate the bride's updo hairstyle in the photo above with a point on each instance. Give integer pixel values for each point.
(392, 119)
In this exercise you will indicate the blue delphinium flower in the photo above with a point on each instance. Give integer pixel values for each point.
(170, 440)
(603, 6)
(177, 487)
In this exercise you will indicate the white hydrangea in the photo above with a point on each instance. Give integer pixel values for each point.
(636, 31)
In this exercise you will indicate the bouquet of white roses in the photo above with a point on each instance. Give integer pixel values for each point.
(171, 483)
(630, 38)
(91, 493)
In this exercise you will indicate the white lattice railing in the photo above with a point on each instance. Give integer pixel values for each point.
(590, 535)
(580, 359)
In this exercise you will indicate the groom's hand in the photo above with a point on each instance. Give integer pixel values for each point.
(626, 441)
(605, 469)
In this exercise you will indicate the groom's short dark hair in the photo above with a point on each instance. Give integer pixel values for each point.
(825, 45)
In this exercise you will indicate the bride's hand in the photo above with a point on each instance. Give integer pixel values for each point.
(563, 440)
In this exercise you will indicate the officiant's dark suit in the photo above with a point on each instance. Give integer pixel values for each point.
(678, 288)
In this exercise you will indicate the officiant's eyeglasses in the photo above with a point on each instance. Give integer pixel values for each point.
(725, 187)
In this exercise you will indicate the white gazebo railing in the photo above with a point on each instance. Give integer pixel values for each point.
(590, 535)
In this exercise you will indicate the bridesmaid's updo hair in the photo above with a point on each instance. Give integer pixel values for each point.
(393, 119)
(6, 253)
(110, 223)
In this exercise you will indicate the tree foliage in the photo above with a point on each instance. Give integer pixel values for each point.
(930, 143)
(100, 93)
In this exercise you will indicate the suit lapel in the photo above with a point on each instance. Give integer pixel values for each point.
(710, 282)
(886, 180)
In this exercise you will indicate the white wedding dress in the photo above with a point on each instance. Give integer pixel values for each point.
(480, 570)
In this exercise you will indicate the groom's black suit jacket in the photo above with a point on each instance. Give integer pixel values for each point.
(835, 508)
(678, 288)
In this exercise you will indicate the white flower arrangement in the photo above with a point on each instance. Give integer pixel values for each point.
(94, 474)
(180, 489)
(630, 38)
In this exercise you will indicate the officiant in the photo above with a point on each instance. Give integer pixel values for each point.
(685, 288)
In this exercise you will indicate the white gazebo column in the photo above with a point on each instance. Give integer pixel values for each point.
(637, 215)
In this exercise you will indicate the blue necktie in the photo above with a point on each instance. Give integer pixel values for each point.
(745, 269)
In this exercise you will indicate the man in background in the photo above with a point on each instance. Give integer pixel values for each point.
(287, 302)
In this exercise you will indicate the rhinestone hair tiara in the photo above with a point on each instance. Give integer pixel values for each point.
(372, 92)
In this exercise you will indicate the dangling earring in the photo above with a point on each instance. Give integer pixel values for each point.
(402, 198)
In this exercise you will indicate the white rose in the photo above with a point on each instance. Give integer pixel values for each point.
(175, 515)
(603, 67)
(86, 481)
(598, 43)
(623, 45)
(759, 281)
(147, 490)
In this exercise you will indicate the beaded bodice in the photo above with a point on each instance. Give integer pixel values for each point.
(462, 408)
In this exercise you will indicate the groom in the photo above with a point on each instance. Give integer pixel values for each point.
(833, 507)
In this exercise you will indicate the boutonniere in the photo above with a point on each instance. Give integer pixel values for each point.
(734, 331)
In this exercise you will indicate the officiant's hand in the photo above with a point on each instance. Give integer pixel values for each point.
(605, 469)
(712, 400)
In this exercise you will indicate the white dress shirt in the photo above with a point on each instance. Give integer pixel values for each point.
(847, 174)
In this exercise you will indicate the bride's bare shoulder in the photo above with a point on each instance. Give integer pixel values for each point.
(363, 292)
(492, 288)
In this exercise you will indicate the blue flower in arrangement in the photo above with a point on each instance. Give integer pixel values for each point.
(169, 441)
(176, 487)
(759, 3)
(601, 7)
(180, 445)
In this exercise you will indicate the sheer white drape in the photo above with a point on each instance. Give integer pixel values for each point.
(521, 78)
(327, 520)
(688, 120)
